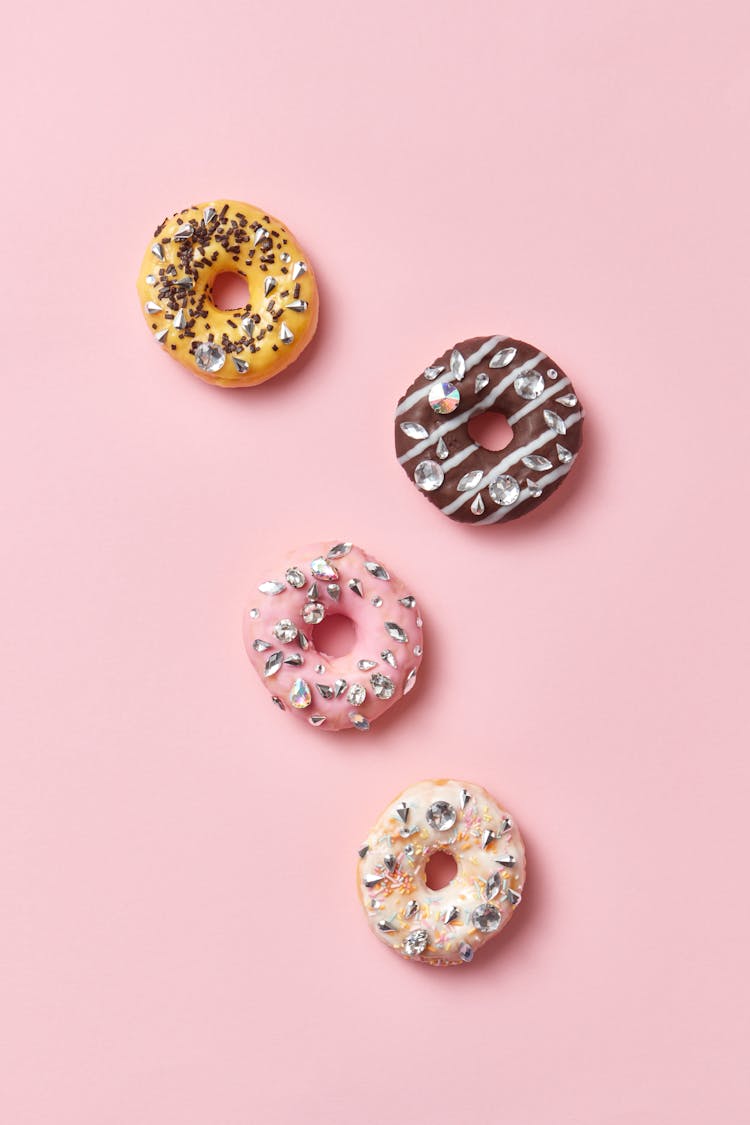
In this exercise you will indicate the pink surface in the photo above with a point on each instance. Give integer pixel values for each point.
(181, 941)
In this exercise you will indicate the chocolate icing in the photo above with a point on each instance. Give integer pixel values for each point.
(547, 423)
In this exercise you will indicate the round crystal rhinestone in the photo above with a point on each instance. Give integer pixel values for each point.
(295, 577)
(530, 385)
(209, 357)
(465, 952)
(285, 631)
(428, 476)
(441, 816)
(444, 398)
(486, 918)
(382, 685)
(416, 943)
(300, 696)
(504, 490)
(356, 695)
(313, 613)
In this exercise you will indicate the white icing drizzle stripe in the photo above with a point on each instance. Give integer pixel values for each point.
(508, 463)
(478, 408)
(550, 478)
(530, 407)
(470, 361)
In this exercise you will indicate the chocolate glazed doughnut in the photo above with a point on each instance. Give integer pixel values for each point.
(496, 373)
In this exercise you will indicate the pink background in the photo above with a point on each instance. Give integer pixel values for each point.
(181, 940)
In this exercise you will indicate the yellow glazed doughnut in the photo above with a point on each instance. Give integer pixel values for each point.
(232, 347)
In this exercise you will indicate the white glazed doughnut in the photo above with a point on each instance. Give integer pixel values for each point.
(346, 691)
(446, 926)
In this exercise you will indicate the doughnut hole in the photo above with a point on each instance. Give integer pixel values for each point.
(440, 870)
(230, 291)
(490, 430)
(335, 635)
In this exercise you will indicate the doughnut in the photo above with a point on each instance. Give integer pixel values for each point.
(447, 926)
(234, 347)
(343, 692)
(465, 481)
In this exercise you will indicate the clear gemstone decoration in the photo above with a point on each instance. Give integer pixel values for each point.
(209, 357)
(444, 398)
(530, 385)
(504, 490)
(428, 476)
(441, 816)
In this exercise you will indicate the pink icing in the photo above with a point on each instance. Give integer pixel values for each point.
(386, 619)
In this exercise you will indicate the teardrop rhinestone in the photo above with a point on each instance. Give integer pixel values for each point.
(482, 380)
(300, 696)
(240, 365)
(260, 646)
(477, 505)
(534, 461)
(209, 357)
(444, 398)
(298, 306)
(157, 251)
(285, 333)
(356, 587)
(465, 952)
(209, 214)
(161, 336)
(298, 269)
(334, 591)
(408, 602)
(431, 373)
(428, 476)
(502, 358)
(504, 490)
(339, 687)
(366, 665)
(458, 365)
(567, 400)
(321, 568)
(469, 480)
(564, 455)
(151, 307)
(180, 321)
(317, 720)
(529, 386)
(441, 449)
(183, 233)
(388, 657)
(247, 324)
(269, 285)
(414, 430)
(324, 690)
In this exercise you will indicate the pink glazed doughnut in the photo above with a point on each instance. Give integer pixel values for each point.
(334, 693)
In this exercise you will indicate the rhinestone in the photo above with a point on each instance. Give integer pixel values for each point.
(303, 641)
(298, 269)
(386, 927)
(555, 422)
(366, 665)
(506, 860)
(363, 851)
(254, 613)
(275, 699)
(465, 798)
(339, 687)
(431, 373)
(157, 251)
(317, 720)
(493, 884)
(414, 430)
(339, 551)
(323, 569)
(477, 505)
(320, 669)
(564, 455)
(378, 571)
(469, 480)
(536, 462)
(458, 366)
(396, 633)
(416, 943)
(502, 358)
(184, 283)
(260, 646)
(372, 880)
(465, 952)
(412, 908)
(152, 307)
(180, 321)
(389, 658)
(534, 489)
(298, 306)
(356, 695)
(389, 861)
(285, 333)
(441, 449)
(240, 365)
(504, 490)
(402, 812)
(382, 685)
(356, 587)
(260, 234)
(377, 601)
(294, 660)
(209, 357)
(551, 373)
(444, 398)
(274, 662)
(486, 918)
(313, 613)
(487, 837)
(409, 602)
(269, 285)
(300, 696)
(358, 721)
(417, 650)
(183, 233)
(411, 679)
(420, 622)
(428, 476)
(312, 592)
(285, 631)
(150, 279)
(286, 258)
(482, 380)
(247, 324)
(441, 816)
(295, 577)
(567, 400)
(271, 588)
(334, 591)
(450, 915)
(511, 896)
(161, 336)
(325, 691)
(209, 214)
(529, 386)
